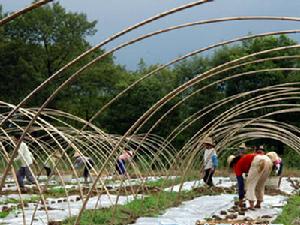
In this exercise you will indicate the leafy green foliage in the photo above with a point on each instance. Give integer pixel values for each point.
(36, 45)
(59, 34)
(291, 211)
(3, 214)
(291, 159)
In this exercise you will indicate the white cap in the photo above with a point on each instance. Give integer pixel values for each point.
(229, 159)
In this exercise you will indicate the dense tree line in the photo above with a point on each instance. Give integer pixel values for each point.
(36, 45)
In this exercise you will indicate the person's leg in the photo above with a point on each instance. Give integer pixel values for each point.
(210, 175)
(86, 171)
(85, 174)
(205, 178)
(123, 168)
(252, 180)
(48, 171)
(258, 202)
(120, 167)
(241, 190)
(260, 187)
(21, 176)
(29, 175)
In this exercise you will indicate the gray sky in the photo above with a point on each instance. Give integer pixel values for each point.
(115, 15)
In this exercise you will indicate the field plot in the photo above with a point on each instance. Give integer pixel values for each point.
(217, 207)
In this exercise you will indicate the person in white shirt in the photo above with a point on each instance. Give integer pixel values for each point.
(210, 161)
(26, 158)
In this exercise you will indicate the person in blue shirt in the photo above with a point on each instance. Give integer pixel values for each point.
(210, 161)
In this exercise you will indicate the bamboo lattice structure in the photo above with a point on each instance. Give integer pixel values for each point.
(47, 131)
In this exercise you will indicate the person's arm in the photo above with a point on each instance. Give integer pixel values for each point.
(78, 162)
(18, 157)
(47, 161)
(27, 155)
(215, 161)
(20, 153)
(205, 157)
(90, 162)
(129, 159)
(31, 155)
(278, 167)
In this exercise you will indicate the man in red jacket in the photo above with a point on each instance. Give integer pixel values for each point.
(258, 167)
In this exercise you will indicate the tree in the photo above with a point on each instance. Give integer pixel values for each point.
(37, 44)
(247, 47)
(60, 34)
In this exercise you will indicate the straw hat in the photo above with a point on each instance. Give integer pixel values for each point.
(243, 145)
(76, 154)
(209, 141)
(273, 156)
(57, 154)
(229, 159)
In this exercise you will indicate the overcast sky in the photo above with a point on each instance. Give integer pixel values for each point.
(115, 15)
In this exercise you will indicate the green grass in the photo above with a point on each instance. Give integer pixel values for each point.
(3, 214)
(150, 206)
(57, 192)
(291, 211)
(17, 201)
(162, 183)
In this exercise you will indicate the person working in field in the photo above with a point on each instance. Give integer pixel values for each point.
(83, 161)
(277, 165)
(121, 161)
(210, 161)
(258, 167)
(26, 158)
(51, 162)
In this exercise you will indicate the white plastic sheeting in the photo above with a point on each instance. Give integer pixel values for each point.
(62, 210)
(226, 182)
(204, 207)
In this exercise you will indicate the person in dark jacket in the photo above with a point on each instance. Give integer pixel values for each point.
(87, 162)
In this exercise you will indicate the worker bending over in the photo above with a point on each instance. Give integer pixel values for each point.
(258, 167)
(121, 161)
(83, 161)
